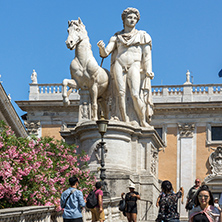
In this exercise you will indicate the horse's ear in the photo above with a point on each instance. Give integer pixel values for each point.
(69, 23)
(80, 21)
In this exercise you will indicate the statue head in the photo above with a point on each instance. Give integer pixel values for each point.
(77, 33)
(129, 11)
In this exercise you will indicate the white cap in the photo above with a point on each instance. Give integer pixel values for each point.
(132, 185)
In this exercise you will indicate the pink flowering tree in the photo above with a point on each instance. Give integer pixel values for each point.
(36, 171)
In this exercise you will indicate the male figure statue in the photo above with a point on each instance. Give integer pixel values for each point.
(131, 64)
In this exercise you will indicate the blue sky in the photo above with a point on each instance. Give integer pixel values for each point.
(185, 34)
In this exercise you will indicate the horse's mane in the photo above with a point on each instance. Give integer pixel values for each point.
(76, 23)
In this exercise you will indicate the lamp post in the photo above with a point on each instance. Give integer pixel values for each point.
(102, 126)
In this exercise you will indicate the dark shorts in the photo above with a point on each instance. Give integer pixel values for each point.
(131, 207)
(73, 220)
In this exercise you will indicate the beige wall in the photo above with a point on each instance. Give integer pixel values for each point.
(168, 159)
(203, 153)
(51, 131)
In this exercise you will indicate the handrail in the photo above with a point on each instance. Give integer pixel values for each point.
(145, 217)
(147, 201)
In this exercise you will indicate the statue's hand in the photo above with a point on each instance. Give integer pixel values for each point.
(101, 44)
(150, 75)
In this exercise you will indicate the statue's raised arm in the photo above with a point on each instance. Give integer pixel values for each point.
(105, 51)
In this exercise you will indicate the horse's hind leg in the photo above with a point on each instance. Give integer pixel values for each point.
(104, 107)
(94, 95)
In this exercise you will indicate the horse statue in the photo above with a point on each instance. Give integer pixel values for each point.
(84, 69)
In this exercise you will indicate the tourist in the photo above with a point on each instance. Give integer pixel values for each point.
(204, 210)
(168, 203)
(191, 195)
(131, 205)
(131, 66)
(162, 194)
(216, 203)
(98, 212)
(72, 201)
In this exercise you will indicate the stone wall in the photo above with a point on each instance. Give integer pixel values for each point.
(48, 213)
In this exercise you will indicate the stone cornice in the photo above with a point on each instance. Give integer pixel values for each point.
(10, 115)
(39, 105)
(194, 107)
(124, 128)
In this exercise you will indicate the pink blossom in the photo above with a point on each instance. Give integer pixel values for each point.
(37, 172)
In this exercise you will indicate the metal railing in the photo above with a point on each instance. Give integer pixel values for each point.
(148, 205)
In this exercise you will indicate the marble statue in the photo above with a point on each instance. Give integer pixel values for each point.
(215, 161)
(34, 77)
(85, 72)
(131, 67)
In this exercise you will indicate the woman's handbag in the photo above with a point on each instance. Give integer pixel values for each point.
(189, 205)
(122, 205)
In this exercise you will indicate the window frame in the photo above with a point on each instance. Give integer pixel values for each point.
(164, 132)
(209, 140)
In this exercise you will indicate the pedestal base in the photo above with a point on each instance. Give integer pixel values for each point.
(131, 155)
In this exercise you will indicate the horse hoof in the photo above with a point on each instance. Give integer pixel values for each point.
(66, 102)
(145, 124)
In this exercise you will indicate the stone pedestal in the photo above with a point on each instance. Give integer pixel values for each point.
(131, 155)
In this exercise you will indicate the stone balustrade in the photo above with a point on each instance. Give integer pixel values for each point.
(27, 214)
(187, 93)
(49, 92)
(48, 213)
(161, 93)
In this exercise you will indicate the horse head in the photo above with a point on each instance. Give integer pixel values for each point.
(77, 33)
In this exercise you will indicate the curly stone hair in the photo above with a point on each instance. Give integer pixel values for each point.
(129, 11)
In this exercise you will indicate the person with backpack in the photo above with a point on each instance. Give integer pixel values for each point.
(72, 201)
(98, 212)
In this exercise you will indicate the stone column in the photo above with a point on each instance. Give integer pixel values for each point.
(186, 157)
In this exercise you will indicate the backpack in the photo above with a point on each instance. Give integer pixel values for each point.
(91, 200)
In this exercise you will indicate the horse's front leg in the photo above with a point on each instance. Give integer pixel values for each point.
(72, 85)
(94, 96)
(65, 97)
